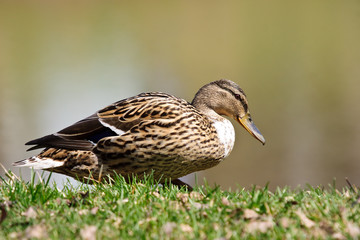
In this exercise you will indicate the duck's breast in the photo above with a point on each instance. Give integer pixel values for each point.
(226, 134)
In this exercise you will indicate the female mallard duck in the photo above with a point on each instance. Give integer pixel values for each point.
(149, 132)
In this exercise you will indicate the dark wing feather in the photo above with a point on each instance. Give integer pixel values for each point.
(79, 136)
(54, 141)
(83, 128)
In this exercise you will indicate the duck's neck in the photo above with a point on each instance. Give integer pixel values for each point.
(224, 128)
(203, 106)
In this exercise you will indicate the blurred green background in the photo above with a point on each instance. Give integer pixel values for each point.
(298, 62)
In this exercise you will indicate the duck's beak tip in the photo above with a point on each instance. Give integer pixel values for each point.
(249, 125)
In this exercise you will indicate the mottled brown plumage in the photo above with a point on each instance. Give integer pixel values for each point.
(149, 132)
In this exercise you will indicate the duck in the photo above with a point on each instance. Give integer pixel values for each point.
(150, 133)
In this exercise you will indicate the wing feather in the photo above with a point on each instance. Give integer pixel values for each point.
(113, 120)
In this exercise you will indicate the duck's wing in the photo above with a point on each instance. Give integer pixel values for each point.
(80, 136)
(113, 120)
(163, 144)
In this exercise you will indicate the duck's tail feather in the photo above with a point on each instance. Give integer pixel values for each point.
(39, 163)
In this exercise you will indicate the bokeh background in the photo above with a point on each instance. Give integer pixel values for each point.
(298, 62)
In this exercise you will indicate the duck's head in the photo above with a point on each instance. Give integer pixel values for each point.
(226, 98)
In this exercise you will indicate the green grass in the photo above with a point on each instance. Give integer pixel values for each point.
(144, 210)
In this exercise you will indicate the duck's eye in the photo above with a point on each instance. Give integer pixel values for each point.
(237, 96)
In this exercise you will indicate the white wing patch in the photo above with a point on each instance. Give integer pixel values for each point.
(114, 129)
(226, 134)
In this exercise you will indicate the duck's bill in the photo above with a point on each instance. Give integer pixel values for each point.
(249, 125)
